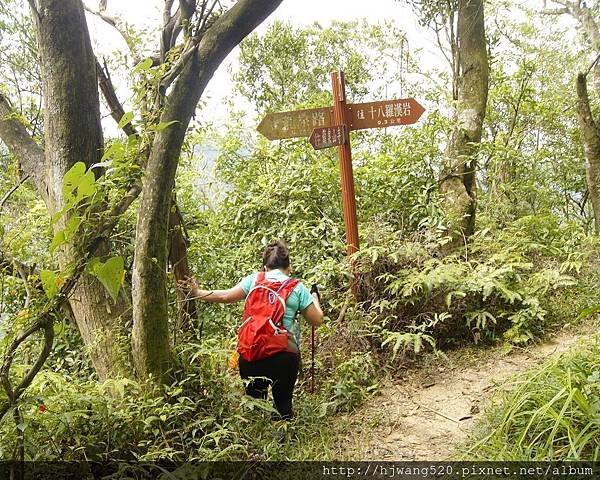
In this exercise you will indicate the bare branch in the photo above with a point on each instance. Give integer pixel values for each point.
(12, 190)
(12, 265)
(120, 26)
(108, 92)
(592, 65)
(170, 23)
(205, 18)
(187, 8)
(45, 323)
(555, 11)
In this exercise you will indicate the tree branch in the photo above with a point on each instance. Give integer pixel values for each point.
(108, 92)
(46, 324)
(11, 264)
(555, 11)
(34, 7)
(171, 28)
(28, 153)
(150, 305)
(120, 26)
(8, 194)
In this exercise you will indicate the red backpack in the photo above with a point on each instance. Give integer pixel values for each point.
(262, 333)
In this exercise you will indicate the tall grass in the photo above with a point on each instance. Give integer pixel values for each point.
(550, 413)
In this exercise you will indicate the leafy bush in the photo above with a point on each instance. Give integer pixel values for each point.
(352, 382)
(204, 415)
(497, 288)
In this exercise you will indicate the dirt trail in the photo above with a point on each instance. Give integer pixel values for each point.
(425, 414)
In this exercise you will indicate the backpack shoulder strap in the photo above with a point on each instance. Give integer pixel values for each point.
(287, 287)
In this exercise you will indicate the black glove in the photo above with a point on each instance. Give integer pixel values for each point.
(315, 289)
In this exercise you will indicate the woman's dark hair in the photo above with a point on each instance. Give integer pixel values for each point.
(276, 255)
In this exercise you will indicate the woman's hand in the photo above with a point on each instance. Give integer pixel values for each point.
(189, 286)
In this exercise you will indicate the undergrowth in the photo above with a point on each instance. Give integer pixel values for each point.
(204, 415)
(510, 285)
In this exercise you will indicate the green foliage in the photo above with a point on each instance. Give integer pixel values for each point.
(203, 416)
(79, 196)
(51, 282)
(110, 273)
(551, 413)
(497, 290)
(531, 154)
(289, 67)
(529, 267)
(352, 382)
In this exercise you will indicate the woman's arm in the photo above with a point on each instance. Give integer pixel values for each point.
(313, 313)
(230, 295)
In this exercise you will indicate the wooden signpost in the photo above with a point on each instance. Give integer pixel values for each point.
(331, 126)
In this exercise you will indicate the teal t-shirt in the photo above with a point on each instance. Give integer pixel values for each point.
(299, 299)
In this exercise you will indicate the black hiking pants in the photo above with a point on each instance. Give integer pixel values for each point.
(280, 371)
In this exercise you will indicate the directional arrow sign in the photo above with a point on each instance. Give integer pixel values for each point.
(297, 123)
(325, 137)
(301, 123)
(388, 113)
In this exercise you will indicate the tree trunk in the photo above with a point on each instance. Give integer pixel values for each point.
(584, 16)
(458, 175)
(178, 245)
(591, 145)
(151, 345)
(589, 128)
(73, 133)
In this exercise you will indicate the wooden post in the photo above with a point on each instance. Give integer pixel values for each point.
(340, 117)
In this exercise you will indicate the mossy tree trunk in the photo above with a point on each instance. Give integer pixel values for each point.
(72, 133)
(151, 345)
(458, 175)
(591, 143)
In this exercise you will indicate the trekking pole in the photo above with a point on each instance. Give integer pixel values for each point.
(312, 366)
(313, 289)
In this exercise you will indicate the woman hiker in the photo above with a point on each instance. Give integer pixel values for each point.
(277, 358)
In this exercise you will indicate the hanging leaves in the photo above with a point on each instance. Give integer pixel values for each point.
(111, 274)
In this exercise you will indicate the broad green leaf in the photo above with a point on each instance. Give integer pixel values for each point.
(58, 240)
(49, 283)
(126, 119)
(161, 126)
(86, 187)
(143, 66)
(111, 274)
(72, 227)
(72, 179)
(115, 151)
(57, 216)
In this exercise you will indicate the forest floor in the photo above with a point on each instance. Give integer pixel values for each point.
(425, 412)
